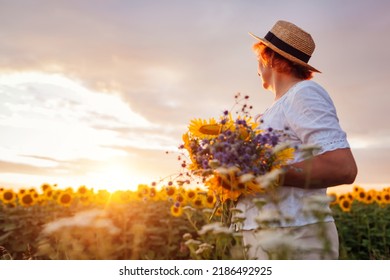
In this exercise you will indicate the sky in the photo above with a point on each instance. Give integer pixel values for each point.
(96, 92)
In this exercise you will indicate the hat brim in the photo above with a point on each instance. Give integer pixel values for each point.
(283, 53)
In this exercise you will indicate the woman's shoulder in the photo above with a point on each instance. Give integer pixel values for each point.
(308, 85)
(307, 95)
(308, 90)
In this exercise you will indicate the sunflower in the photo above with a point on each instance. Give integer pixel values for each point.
(142, 191)
(65, 198)
(356, 189)
(180, 197)
(86, 200)
(282, 156)
(378, 198)
(370, 197)
(48, 194)
(7, 196)
(82, 191)
(345, 204)
(204, 128)
(34, 193)
(26, 199)
(191, 194)
(46, 187)
(169, 193)
(176, 211)
(102, 197)
(334, 198)
(386, 196)
(21, 191)
(360, 194)
(153, 194)
(350, 196)
(223, 190)
(117, 196)
(210, 200)
(199, 202)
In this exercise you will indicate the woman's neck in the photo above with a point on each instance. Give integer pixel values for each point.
(282, 83)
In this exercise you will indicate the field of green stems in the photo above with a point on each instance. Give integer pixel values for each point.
(169, 223)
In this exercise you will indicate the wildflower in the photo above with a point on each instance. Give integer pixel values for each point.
(215, 228)
(192, 242)
(308, 150)
(204, 248)
(189, 209)
(187, 236)
(91, 218)
(267, 218)
(279, 244)
(317, 206)
(233, 144)
(269, 179)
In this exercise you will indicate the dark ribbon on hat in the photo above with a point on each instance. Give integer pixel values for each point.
(286, 47)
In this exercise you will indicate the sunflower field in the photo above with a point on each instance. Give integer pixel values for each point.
(169, 223)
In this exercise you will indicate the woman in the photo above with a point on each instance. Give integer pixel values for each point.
(303, 110)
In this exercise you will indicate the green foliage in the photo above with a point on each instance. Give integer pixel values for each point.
(364, 232)
(145, 229)
(136, 230)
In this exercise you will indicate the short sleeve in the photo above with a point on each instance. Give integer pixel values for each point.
(311, 115)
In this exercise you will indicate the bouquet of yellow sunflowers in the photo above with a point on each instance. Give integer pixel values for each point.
(232, 154)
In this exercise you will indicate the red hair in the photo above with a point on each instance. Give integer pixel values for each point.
(280, 63)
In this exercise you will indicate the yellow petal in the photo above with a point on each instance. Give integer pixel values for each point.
(211, 129)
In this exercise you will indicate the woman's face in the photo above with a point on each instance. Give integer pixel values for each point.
(264, 73)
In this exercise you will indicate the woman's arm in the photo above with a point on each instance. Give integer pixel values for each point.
(329, 169)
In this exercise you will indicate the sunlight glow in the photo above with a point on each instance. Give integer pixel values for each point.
(55, 123)
(114, 177)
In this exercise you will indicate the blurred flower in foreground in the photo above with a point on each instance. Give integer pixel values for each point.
(92, 218)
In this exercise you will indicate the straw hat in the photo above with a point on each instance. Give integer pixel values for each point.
(291, 42)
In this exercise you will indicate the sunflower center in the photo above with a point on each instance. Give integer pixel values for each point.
(66, 198)
(27, 199)
(8, 196)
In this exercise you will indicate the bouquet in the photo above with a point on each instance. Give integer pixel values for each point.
(232, 155)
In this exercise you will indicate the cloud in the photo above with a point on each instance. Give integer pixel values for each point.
(142, 69)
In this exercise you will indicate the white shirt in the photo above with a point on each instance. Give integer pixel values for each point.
(309, 115)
